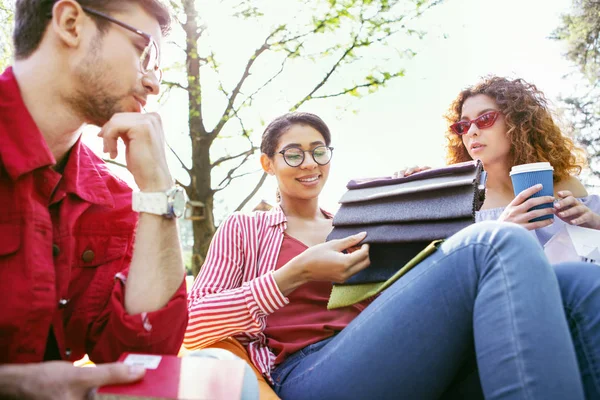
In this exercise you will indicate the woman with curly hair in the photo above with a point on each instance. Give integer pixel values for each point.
(504, 123)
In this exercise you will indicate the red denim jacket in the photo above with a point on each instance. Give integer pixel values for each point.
(66, 242)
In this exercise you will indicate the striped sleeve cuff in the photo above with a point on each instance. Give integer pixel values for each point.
(266, 294)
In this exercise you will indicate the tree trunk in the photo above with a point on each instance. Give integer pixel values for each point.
(203, 233)
(200, 187)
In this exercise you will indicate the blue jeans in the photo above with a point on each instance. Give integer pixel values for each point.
(580, 289)
(488, 293)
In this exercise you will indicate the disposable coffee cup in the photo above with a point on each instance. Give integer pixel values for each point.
(525, 176)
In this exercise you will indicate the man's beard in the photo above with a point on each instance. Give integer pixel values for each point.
(93, 100)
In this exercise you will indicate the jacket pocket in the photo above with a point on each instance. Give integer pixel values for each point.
(95, 250)
(10, 238)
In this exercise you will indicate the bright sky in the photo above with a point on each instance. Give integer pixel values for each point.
(402, 124)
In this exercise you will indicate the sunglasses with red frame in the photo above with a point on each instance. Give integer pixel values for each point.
(483, 121)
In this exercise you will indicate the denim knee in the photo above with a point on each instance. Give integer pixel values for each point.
(501, 241)
(500, 234)
(513, 233)
(578, 281)
(250, 389)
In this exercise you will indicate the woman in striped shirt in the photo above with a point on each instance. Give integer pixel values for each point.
(487, 293)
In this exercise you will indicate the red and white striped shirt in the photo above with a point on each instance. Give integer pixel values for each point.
(235, 290)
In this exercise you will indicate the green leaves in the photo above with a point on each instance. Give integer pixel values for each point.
(6, 25)
(580, 30)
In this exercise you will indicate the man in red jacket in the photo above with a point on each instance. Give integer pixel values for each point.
(83, 269)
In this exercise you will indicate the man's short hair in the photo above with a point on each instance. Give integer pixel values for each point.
(32, 18)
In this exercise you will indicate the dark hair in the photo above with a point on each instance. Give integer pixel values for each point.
(32, 18)
(282, 124)
(531, 129)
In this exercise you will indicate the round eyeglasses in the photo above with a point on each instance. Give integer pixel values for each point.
(294, 156)
(150, 57)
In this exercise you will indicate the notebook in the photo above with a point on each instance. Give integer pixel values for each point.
(179, 378)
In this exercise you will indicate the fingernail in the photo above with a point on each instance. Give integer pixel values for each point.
(136, 370)
(539, 185)
(361, 233)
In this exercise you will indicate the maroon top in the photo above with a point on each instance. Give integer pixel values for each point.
(306, 319)
(66, 241)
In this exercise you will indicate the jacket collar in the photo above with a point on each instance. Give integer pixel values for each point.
(23, 149)
(83, 176)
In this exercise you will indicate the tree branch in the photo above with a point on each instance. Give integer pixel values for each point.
(227, 180)
(253, 192)
(371, 83)
(251, 96)
(201, 29)
(229, 158)
(174, 84)
(179, 159)
(226, 114)
(327, 76)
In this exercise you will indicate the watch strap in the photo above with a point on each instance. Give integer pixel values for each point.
(152, 203)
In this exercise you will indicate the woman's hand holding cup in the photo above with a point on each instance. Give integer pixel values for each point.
(519, 210)
(574, 212)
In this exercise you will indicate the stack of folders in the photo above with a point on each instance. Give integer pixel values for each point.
(405, 220)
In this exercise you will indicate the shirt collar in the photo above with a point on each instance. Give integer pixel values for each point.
(277, 217)
(23, 146)
(83, 176)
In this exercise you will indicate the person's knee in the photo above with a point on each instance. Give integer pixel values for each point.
(499, 234)
(250, 390)
(569, 272)
(577, 280)
(219, 354)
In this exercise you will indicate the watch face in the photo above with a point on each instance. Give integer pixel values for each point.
(179, 202)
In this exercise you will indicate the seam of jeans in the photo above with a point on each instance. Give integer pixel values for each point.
(520, 363)
(435, 263)
(298, 356)
(575, 317)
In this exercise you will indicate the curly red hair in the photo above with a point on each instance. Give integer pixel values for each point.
(534, 135)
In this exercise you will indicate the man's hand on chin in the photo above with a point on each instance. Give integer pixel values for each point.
(145, 148)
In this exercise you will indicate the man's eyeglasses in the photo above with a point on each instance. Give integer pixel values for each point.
(150, 58)
(483, 121)
(294, 157)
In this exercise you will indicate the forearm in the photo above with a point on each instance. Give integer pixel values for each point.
(156, 269)
(11, 381)
(215, 316)
(290, 277)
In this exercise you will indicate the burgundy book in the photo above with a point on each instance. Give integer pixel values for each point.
(181, 378)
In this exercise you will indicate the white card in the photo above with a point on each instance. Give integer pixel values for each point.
(147, 361)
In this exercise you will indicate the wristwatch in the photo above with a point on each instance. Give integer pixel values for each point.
(169, 204)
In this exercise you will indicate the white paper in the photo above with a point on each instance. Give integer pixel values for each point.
(147, 361)
(574, 243)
